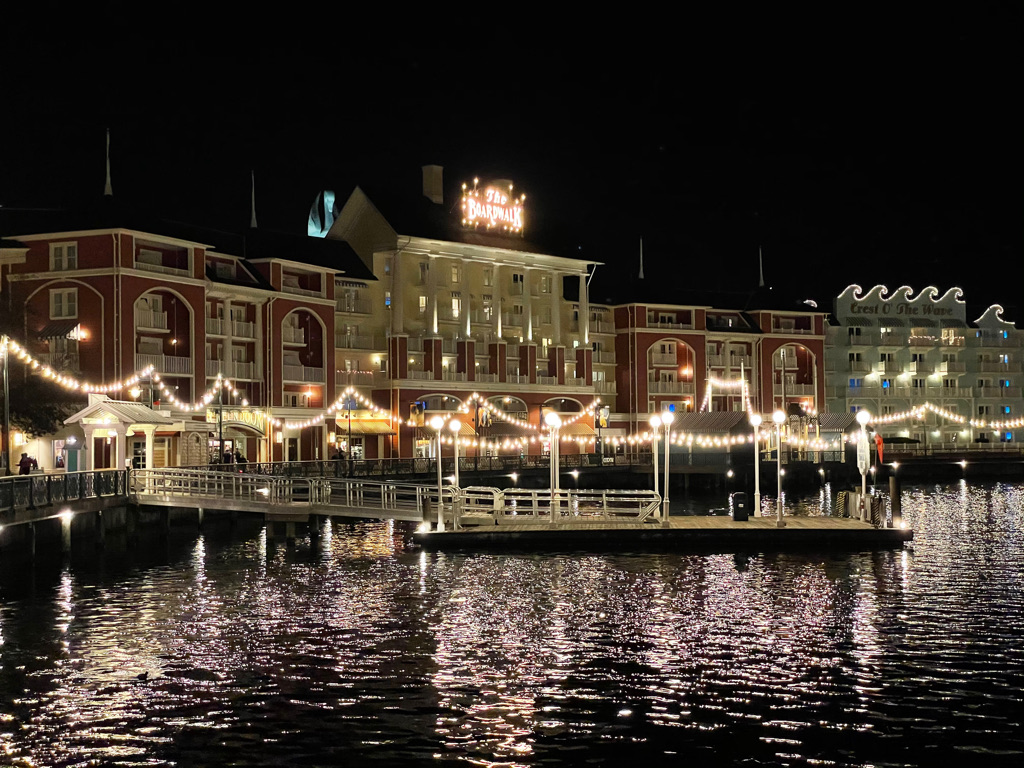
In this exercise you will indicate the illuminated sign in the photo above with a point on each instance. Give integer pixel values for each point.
(252, 419)
(492, 208)
(879, 303)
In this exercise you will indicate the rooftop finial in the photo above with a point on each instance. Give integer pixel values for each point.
(107, 188)
(252, 218)
(641, 258)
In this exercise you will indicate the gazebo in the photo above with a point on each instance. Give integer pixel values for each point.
(116, 420)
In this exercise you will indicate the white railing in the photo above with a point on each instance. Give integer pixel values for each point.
(145, 318)
(290, 335)
(214, 326)
(270, 494)
(353, 305)
(452, 376)
(354, 341)
(604, 387)
(159, 268)
(303, 373)
(300, 291)
(421, 375)
(997, 392)
(492, 506)
(355, 378)
(604, 357)
(547, 380)
(575, 382)
(243, 329)
(514, 378)
(597, 326)
(164, 364)
(671, 387)
(663, 359)
(487, 378)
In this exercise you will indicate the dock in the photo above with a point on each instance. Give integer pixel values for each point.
(684, 533)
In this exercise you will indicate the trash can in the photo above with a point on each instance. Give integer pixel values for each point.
(739, 506)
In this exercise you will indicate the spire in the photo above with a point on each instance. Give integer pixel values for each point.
(641, 276)
(252, 219)
(108, 190)
(760, 267)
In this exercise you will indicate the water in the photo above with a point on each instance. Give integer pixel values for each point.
(367, 651)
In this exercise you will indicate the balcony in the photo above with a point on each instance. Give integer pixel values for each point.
(797, 390)
(356, 341)
(986, 340)
(516, 289)
(151, 321)
(859, 366)
(512, 319)
(353, 305)
(355, 378)
(601, 326)
(230, 369)
(997, 393)
(670, 387)
(303, 374)
(515, 378)
(921, 367)
(604, 387)
(923, 341)
(952, 366)
(164, 364)
(448, 375)
(864, 340)
(60, 361)
(421, 375)
(487, 378)
(291, 335)
(889, 366)
(669, 326)
(663, 359)
(990, 366)
(574, 382)
(148, 266)
(548, 381)
(243, 329)
(214, 326)
(604, 357)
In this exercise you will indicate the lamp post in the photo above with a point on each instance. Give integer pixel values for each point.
(655, 422)
(779, 418)
(554, 422)
(454, 426)
(755, 422)
(863, 456)
(437, 424)
(667, 417)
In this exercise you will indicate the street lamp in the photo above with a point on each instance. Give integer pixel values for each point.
(863, 457)
(554, 422)
(454, 426)
(437, 424)
(667, 417)
(779, 418)
(655, 422)
(755, 422)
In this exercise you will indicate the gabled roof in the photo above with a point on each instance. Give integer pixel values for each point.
(119, 412)
(836, 421)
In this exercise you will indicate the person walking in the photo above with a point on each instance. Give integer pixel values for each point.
(27, 464)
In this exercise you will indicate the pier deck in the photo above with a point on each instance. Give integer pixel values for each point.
(696, 532)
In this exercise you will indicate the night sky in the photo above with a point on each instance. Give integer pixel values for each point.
(878, 149)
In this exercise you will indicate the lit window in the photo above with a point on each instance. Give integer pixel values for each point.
(64, 303)
(456, 274)
(423, 304)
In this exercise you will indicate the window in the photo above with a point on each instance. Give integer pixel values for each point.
(886, 357)
(855, 357)
(488, 303)
(983, 410)
(387, 298)
(545, 284)
(387, 265)
(424, 271)
(949, 383)
(1004, 382)
(456, 305)
(1006, 410)
(888, 410)
(518, 277)
(63, 256)
(488, 276)
(856, 383)
(918, 383)
(917, 357)
(456, 273)
(64, 303)
(886, 383)
(423, 305)
(854, 332)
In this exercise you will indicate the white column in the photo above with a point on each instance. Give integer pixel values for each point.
(120, 447)
(148, 432)
(584, 313)
(432, 292)
(556, 311)
(397, 294)
(89, 447)
(528, 304)
(497, 301)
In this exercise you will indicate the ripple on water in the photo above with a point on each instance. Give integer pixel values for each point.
(252, 652)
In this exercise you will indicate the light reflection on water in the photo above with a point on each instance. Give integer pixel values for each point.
(351, 645)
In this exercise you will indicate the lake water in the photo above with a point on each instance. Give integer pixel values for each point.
(226, 649)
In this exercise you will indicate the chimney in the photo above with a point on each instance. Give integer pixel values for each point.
(433, 183)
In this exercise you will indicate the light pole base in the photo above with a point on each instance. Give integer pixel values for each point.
(780, 523)
(665, 519)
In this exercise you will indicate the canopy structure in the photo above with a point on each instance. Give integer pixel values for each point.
(117, 419)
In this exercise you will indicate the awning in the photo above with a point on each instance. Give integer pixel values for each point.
(953, 323)
(891, 322)
(861, 321)
(58, 330)
(366, 427)
(576, 429)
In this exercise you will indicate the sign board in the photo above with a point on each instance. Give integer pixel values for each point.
(879, 304)
(863, 453)
(492, 208)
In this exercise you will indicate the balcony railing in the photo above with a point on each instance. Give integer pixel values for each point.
(950, 366)
(989, 366)
(214, 326)
(515, 378)
(574, 382)
(60, 361)
(997, 392)
(231, 369)
(353, 305)
(356, 378)
(487, 378)
(797, 390)
(670, 387)
(356, 341)
(243, 329)
(604, 357)
(604, 387)
(421, 375)
(663, 359)
(512, 319)
(921, 367)
(164, 364)
(599, 326)
(302, 373)
(290, 335)
(547, 380)
(164, 270)
(145, 318)
(453, 376)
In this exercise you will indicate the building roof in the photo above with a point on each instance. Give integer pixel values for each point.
(725, 422)
(121, 411)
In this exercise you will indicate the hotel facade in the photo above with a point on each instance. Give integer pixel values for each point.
(353, 338)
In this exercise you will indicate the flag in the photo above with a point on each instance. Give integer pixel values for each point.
(878, 446)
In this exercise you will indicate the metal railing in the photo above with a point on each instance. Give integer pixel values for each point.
(35, 491)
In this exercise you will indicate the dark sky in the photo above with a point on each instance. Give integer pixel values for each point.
(882, 149)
